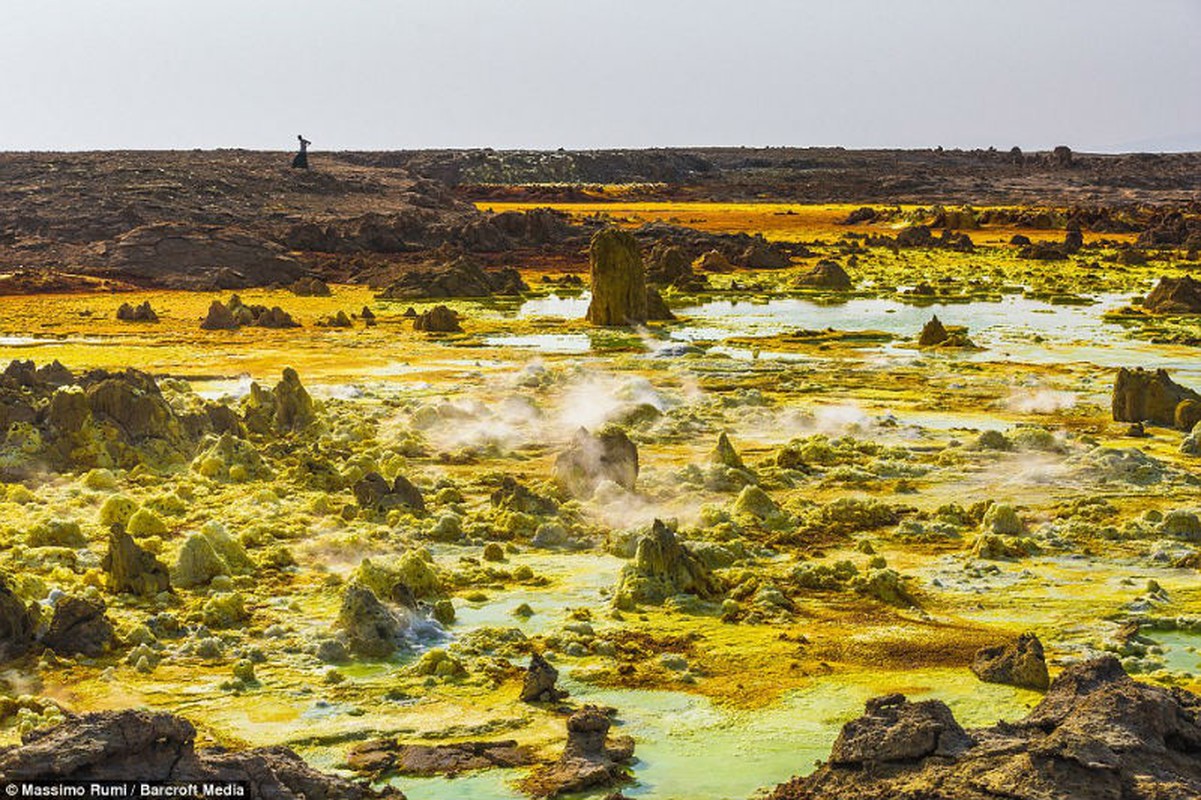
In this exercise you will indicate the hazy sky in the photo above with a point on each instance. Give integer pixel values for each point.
(390, 74)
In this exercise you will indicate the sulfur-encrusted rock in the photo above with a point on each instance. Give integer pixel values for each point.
(370, 628)
(933, 333)
(725, 455)
(131, 569)
(1141, 395)
(1019, 663)
(618, 279)
(198, 563)
(285, 409)
(661, 568)
(589, 459)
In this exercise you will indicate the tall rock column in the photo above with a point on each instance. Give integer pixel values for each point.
(618, 279)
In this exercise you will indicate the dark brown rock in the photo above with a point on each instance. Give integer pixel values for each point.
(309, 286)
(17, 624)
(1175, 296)
(826, 274)
(219, 318)
(182, 255)
(78, 626)
(538, 686)
(1097, 735)
(933, 333)
(762, 255)
(1140, 395)
(438, 319)
(1019, 663)
(456, 276)
(618, 279)
(159, 747)
(893, 729)
(374, 493)
(382, 757)
(714, 261)
(139, 313)
(590, 759)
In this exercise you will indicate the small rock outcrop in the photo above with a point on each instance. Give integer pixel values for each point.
(662, 567)
(725, 455)
(590, 760)
(759, 254)
(896, 730)
(670, 265)
(286, 408)
(374, 493)
(1175, 296)
(236, 314)
(383, 757)
(181, 255)
(17, 625)
(1097, 735)
(933, 333)
(438, 319)
(309, 286)
(131, 569)
(618, 279)
(1141, 395)
(826, 274)
(458, 276)
(714, 261)
(78, 626)
(589, 459)
(160, 747)
(1020, 663)
(370, 628)
(139, 313)
(656, 307)
(538, 686)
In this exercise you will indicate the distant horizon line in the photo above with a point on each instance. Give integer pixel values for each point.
(609, 149)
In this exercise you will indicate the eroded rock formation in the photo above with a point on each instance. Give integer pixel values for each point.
(1019, 663)
(1175, 296)
(160, 747)
(1141, 395)
(618, 279)
(590, 760)
(131, 569)
(1097, 735)
(662, 567)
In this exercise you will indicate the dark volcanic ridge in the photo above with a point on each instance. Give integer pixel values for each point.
(230, 219)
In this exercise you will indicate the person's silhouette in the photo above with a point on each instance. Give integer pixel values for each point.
(301, 159)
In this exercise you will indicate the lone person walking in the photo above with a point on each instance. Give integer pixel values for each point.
(301, 159)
